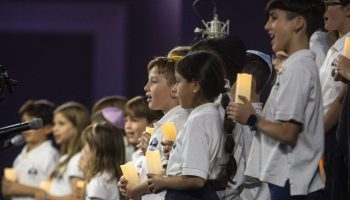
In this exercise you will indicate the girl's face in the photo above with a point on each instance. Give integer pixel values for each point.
(280, 30)
(63, 129)
(85, 159)
(134, 127)
(334, 17)
(159, 93)
(185, 91)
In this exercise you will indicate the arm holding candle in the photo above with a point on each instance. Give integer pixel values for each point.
(285, 132)
(157, 183)
(343, 67)
(10, 188)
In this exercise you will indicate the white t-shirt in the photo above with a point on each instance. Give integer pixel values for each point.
(296, 96)
(319, 45)
(199, 147)
(178, 115)
(102, 187)
(61, 186)
(129, 150)
(330, 88)
(35, 166)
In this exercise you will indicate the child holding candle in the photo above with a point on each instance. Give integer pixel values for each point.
(100, 161)
(198, 155)
(137, 117)
(161, 96)
(291, 128)
(259, 65)
(70, 119)
(336, 21)
(38, 158)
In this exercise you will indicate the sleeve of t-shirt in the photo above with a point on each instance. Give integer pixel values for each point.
(73, 167)
(196, 152)
(293, 94)
(96, 189)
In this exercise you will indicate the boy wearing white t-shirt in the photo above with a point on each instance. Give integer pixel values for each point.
(291, 130)
(38, 158)
(259, 65)
(159, 90)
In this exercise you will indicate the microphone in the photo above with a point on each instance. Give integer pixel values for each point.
(16, 141)
(215, 28)
(35, 123)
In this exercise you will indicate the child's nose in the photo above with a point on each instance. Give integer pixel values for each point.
(146, 87)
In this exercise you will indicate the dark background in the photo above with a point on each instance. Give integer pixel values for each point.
(83, 50)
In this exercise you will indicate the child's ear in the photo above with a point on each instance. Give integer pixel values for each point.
(347, 10)
(196, 87)
(299, 23)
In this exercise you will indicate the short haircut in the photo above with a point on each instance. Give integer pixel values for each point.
(165, 66)
(138, 107)
(311, 10)
(39, 108)
(109, 101)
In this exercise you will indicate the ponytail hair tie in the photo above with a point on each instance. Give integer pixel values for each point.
(115, 116)
(176, 58)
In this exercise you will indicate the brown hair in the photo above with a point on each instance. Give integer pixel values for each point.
(138, 107)
(109, 101)
(39, 108)
(78, 115)
(165, 66)
(107, 146)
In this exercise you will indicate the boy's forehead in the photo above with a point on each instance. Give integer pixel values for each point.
(156, 72)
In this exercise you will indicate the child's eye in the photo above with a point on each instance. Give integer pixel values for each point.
(153, 80)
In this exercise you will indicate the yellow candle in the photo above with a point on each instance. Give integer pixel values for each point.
(347, 47)
(81, 184)
(322, 171)
(154, 163)
(10, 174)
(46, 186)
(169, 131)
(243, 86)
(149, 130)
(130, 173)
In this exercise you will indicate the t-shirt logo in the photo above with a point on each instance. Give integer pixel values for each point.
(33, 171)
(334, 63)
(153, 145)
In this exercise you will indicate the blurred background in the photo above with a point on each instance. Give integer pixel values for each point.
(83, 50)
